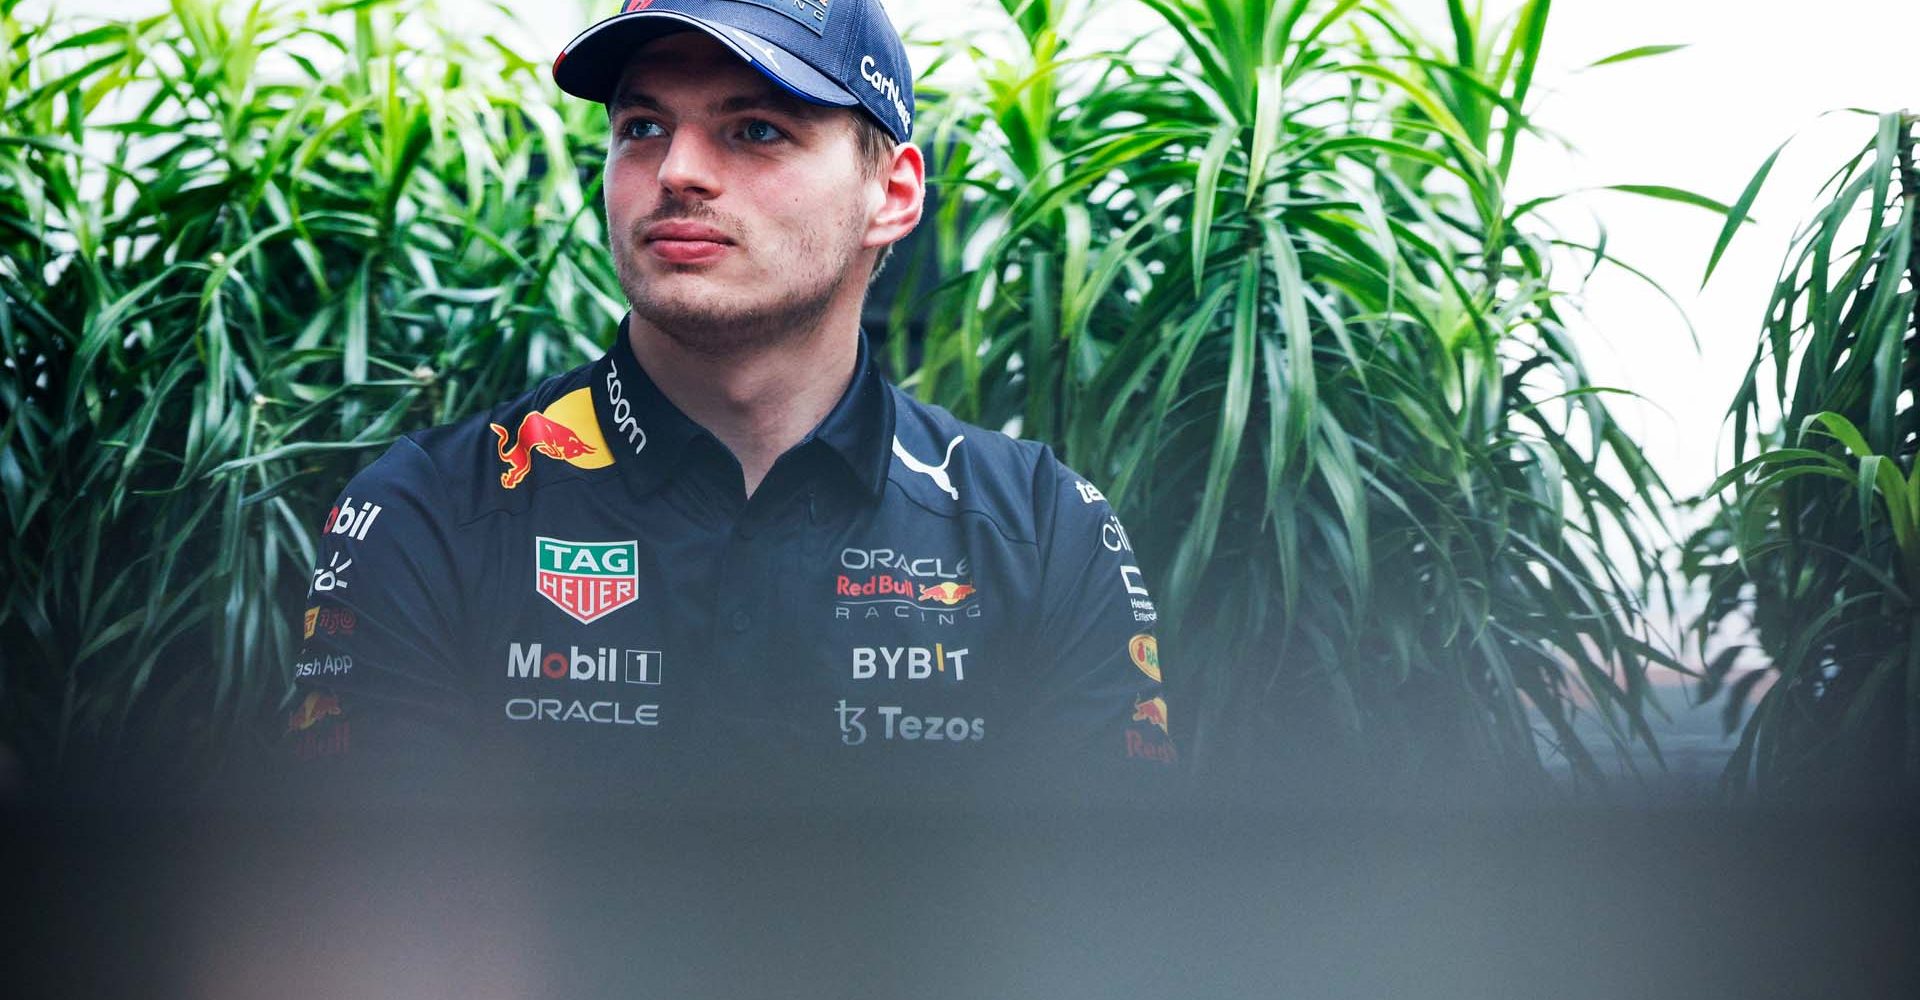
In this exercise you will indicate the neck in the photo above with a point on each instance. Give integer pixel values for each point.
(759, 401)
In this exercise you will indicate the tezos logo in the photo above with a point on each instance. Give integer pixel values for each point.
(345, 520)
(896, 726)
(587, 580)
(634, 666)
(915, 663)
(1089, 493)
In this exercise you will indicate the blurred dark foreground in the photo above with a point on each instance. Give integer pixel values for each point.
(855, 889)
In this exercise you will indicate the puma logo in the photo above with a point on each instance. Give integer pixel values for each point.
(765, 52)
(937, 473)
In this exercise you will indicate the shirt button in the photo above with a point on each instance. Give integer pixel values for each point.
(744, 530)
(740, 621)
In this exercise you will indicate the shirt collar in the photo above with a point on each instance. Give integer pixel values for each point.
(648, 435)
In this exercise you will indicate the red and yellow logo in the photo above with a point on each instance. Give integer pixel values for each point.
(318, 705)
(566, 430)
(1152, 710)
(1145, 650)
(948, 593)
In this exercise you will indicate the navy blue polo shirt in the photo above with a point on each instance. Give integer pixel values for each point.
(578, 575)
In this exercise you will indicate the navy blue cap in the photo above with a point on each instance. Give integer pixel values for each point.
(842, 53)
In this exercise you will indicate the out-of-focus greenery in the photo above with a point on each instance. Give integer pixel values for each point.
(241, 249)
(1260, 275)
(1814, 555)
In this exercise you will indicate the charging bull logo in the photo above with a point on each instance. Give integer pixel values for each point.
(947, 593)
(1152, 710)
(566, 431)
(317, 706)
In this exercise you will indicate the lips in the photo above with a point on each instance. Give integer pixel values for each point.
(686, 242)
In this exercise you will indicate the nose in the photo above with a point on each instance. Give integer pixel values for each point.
(689, 170)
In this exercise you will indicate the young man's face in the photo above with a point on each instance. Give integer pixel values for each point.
(736, 211)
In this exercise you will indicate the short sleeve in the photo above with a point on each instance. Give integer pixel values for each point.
(1099, 686)
(375, 683)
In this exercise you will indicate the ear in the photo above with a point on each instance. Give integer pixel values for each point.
(899, 191)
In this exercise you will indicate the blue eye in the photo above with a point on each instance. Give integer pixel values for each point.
(761, 131)
(641, 128)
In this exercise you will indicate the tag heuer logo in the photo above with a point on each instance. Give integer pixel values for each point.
(586, 579)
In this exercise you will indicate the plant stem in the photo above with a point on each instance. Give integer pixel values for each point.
(1910, 193)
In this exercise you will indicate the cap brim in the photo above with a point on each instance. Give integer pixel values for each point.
(591, 64)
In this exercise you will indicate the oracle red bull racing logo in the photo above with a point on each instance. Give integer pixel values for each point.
(566, 431)
(886, 583)
(587, 580)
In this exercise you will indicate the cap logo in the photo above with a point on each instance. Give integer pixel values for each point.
(766, 52)
(633, 5)
(888, 89)
(809, 14)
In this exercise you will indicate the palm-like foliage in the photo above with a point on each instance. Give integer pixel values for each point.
(241, 250)
(1272, 291)
(1268, 288)
(1814, 556)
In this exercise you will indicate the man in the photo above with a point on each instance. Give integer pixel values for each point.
(730, 538)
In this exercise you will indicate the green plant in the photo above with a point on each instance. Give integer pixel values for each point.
(1814, 553)
(241, 249)
(1269, 288)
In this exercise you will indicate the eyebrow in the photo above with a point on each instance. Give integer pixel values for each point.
(764, 101)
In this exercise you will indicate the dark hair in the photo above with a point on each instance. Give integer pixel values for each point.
(873, 142)
(874, 147)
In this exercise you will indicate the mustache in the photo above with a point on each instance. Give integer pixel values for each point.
(673, 208)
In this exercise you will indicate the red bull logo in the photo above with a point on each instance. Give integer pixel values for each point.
(566, 431)
(1153, 710)
(948, 593)
(1154, 748)
(318, 705)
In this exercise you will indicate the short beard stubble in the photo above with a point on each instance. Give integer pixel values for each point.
(717, 329)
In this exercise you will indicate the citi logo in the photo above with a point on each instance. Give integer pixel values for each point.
(888, 89)
(634, 666)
